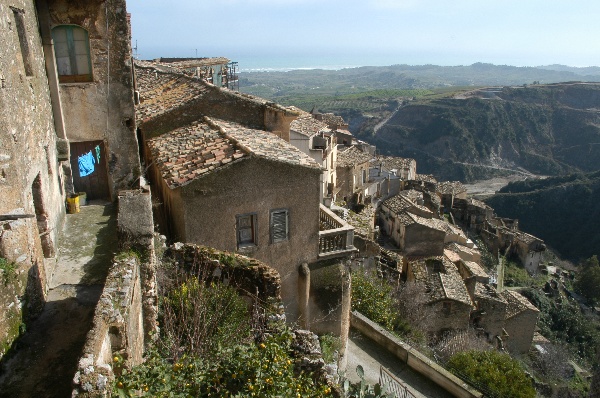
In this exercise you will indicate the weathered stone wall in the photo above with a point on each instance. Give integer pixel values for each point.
(102, 109)
(126, 315)
(420, 240)
(520, 329)
(118, 330)
(254, 186)
(30, 173)
(493, 315)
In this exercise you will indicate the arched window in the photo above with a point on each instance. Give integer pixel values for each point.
(72, 50)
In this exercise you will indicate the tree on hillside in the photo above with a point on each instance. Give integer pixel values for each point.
(588, 280)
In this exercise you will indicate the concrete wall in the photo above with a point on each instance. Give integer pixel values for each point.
(102, 109)
(207, 208)
(414, 359)
(30, 173)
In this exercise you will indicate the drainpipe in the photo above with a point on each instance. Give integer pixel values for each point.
(51, 70)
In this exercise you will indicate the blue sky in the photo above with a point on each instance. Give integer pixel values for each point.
(443, 32)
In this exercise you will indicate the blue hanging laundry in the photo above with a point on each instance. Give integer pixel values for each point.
(86, 164)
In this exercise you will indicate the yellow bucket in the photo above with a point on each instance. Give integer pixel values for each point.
(73, 204)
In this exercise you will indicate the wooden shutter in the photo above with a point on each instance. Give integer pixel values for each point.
(279, 225)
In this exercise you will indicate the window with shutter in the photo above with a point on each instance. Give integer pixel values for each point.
(279, 225)
(72, 51)
(246, 229)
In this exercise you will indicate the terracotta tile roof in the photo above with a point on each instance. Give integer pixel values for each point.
(185, 63)
(160, 91)
(333, 121)
(526, 238)
(452, 285)
(455, 247)
(391, 162)
(190, 152)
(352, 157)
(362, 222)
(450, 187)
(488, 292)
(452, 256)
(516, 303)
(307, 125)
(406, 200)
(475, 269)
(263, 144)
(426, 178)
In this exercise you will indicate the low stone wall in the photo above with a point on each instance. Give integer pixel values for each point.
(414, 359)
(126, 313)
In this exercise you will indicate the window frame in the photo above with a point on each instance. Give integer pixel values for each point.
(241, 243)
(72, 55)
(273, 231)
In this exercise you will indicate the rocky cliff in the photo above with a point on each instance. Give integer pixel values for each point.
(540, 129)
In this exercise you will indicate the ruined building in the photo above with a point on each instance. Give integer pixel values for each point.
(66, 89)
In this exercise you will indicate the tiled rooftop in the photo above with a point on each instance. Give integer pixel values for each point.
(425, 178)
(190, 152)
(191, 62)
(460, 248)
(351, 157)
(452, 285)
(516, 303)
(391, 162)
(332, 120)
(264, 144)
(405, 201)
(307, 125)
(409, 218)
(452, 256)
(160, 91)
(478, 203)
(450, 187)
(488, 292)
(475, 269)
(195, 150)
(362, 222)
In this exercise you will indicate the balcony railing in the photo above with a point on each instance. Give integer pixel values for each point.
(335, 236)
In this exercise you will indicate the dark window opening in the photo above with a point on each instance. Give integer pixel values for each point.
(246, 230)
(42, 218)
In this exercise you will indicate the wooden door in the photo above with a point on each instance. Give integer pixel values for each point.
(90, 175)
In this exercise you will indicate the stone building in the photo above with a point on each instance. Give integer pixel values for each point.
(472, 213)
(491, 313)
(520, 322)
(66, 89)
(92, 52)
(450, 191)
(218, 71)
(352, 175)
(414, 234)
(228, 178)
(446, 292)
(315, 139)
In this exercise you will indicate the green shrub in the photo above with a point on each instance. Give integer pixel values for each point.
(373, 298)
(330, 345)
(8, 271)
(496, 372)
(255, 370)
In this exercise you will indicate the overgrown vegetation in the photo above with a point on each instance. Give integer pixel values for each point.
(330, 347)
(587, 282)
(8, 271)
(497, 373)
(563, 322)
(212, 343)
(516, 275)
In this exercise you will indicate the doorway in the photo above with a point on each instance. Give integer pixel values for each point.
(89, 165)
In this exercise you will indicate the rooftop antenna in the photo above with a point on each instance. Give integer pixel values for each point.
(196, 53)
(135, 51)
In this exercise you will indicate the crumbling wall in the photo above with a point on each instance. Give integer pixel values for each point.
(126, 315)
(32, 206)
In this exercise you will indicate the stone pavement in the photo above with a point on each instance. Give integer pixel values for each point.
(44, 360)
(365, 352)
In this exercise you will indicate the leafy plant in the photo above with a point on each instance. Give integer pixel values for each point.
(495, 372)
(9, 271)
(363, 390)
(330, 347)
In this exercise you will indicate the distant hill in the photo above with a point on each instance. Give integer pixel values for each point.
(539, 129)
(564, 211)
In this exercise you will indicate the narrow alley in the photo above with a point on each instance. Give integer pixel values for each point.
(44, 360)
